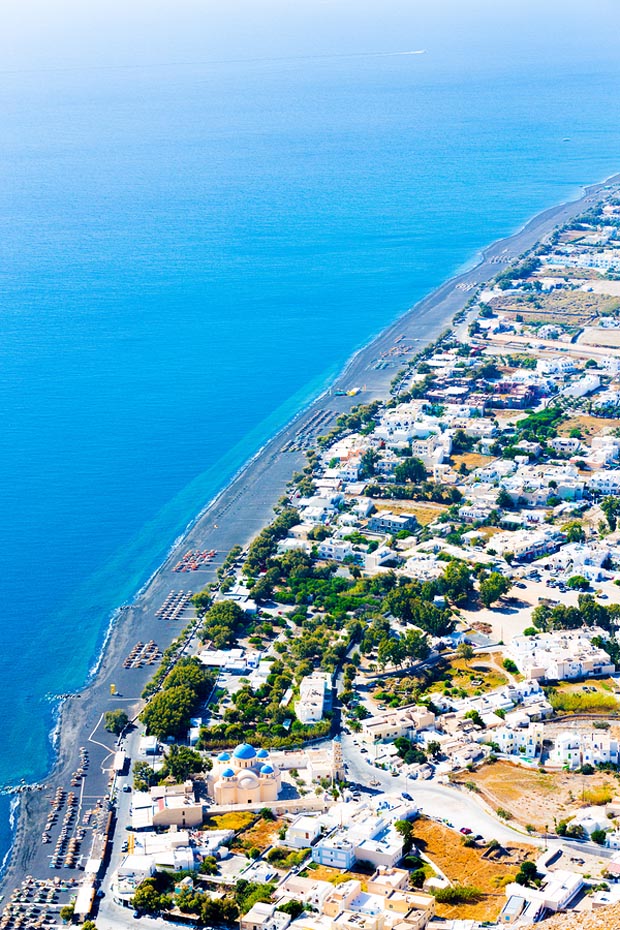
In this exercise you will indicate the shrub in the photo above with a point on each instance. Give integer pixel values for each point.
(458, 894)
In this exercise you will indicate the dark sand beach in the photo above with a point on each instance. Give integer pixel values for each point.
(234, 517)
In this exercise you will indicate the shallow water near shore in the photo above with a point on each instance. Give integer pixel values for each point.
(191, 251)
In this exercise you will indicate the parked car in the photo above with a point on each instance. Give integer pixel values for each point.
(465, 831)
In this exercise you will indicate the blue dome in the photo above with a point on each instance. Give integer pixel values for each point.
(228, 773)
(266, 770)
(223, 757)
(244, 751)
(262, 754)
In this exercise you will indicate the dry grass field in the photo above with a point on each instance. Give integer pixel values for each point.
(471, 460)
(259, 835)
(469, 866)
(537, 798)
(597, 336)
(234, 820)
(588, 426)
(578, 308)
(425, 512)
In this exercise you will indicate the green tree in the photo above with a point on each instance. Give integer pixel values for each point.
(293, 908)
(598, 836)
(209, 866)
(181, 762)
(223, 624)
(574, 531)
(456, 582)
(504, 500)
(217, 911)
(611, 507)
(66, 913)
(465, 651)
(527, 874)
(168, 713)
(410, 470)
(578, 583)
(143, 776)
(190, 673)
(493, 587)
(416, 645)
(475, 717)
(147, 899)
(115, 721)
(405, 828)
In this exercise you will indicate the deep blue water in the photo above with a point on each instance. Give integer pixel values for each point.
(191, 249)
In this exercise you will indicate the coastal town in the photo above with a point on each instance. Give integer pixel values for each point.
(396, 708)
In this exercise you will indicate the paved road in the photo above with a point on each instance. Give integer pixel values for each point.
(244, 508)
(432, 797)
(459, 806)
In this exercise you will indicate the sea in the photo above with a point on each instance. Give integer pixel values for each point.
(205, 209)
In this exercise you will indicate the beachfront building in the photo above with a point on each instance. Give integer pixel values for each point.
(244, 777)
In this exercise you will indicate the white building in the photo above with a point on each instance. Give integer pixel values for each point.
(303, 831)
(556, 891)
(313, 690)
(560, 655)
(520, 741)
(402, 721)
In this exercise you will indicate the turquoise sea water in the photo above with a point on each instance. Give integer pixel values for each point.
(197, 230)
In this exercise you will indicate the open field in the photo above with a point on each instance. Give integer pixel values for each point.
(425, 512)
(324, 873)
(467, 676)
(468, 866)
(589, 426)
(597, 336)
(577, 308)
(475, 676)
(259, 835)
(471, 460)
(603, 918)
(593, 696)
(535, 797)
(234, 820)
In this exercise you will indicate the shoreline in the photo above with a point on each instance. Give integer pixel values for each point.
(234, 516)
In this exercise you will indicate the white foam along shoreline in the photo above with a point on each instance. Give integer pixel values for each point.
(537, 226)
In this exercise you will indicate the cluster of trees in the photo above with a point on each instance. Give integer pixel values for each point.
(410, 470)
(410, 606)
(494, 586)
(265, 545)
(518, 272)
(409, 752)
(611, 508)
(154, 895)
(223, 624)
(184, 690)
(412, 647)
(589, 612)
(361, 419)
(527, 874)
(425, 491)
(262, 710)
